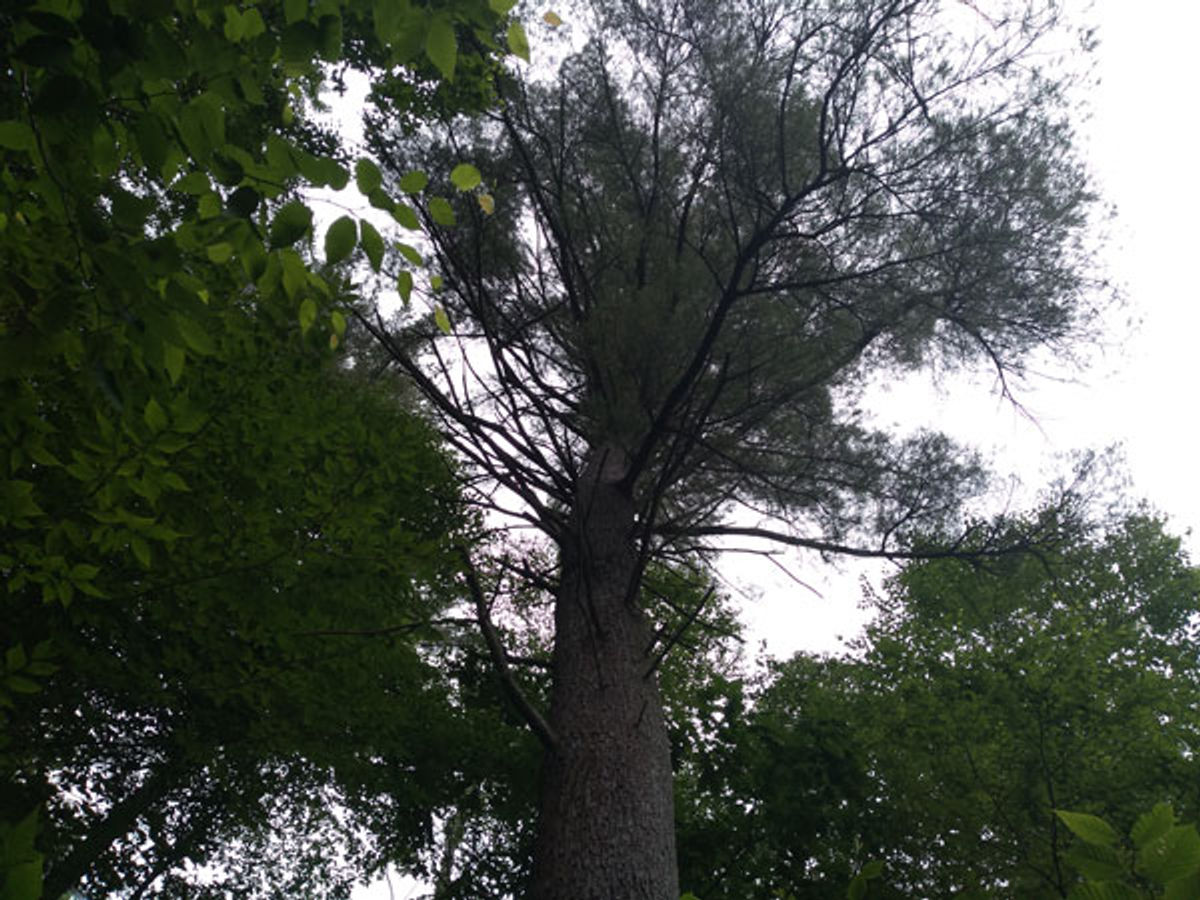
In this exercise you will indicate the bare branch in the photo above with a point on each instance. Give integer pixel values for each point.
(500, 660)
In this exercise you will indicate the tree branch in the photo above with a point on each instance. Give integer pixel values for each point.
(500, 657)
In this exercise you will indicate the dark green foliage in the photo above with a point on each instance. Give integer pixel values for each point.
(983, 698)
(192, 491)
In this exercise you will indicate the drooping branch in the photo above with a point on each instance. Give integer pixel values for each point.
(677, 635)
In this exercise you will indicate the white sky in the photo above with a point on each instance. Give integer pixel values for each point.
(1141, 142)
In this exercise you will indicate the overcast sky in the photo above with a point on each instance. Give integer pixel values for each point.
(1140, 137)
(1141, 140)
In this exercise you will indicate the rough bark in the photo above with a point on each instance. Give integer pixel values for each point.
(606, 829)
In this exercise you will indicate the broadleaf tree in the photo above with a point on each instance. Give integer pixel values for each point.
(984, 699)
(706, 231)
(158, 162)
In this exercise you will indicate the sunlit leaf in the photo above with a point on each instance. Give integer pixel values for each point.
(1089, 828)
(465, 176)
(518, 43)
(440, 317)
(308, 314)
(441, 46)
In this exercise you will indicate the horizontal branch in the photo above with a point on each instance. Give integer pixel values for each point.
(956, 551)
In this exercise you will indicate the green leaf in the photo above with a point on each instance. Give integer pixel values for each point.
(440, 317)
(308, 314)
(193, 334)
(501, 7)
(379, 199)
(329, 37)
(338, 320)
(300, 42)
(413, 182)
(410, 254)
(487, 203)
(21, 863)
(406, 216)
(290, 224)
(340, 240)
(367, 176)
(391, 19)
(441, 211)
(220, 253)
(441, 46)
(873, 869)
(436, 282)
(194, 183)
(152, 141)
(252, 26)
(465, 176)
(1097, 863)
(1089, 828)
(404, 284)
(141, 550)
(372, 244)
(210, 206)
(1174, 855)
(244, 201)
(294, 11)
(234, 28)
(15, 658)
(155, 415)
(1152, 825)
(1105, 890)
(19, 684)
(16, 135)
(1186, 888)
(518, 43)
(202, 126)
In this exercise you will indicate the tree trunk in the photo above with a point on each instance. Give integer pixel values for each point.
(607, 827)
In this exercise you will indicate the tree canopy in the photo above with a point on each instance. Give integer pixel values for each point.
(194, 489)
(980, 701)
